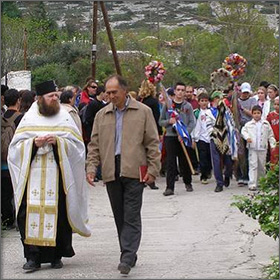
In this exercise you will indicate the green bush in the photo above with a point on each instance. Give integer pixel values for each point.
(263, 206)
(272, 270)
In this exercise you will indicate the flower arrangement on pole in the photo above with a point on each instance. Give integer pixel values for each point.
(235, 64)
(155, 71)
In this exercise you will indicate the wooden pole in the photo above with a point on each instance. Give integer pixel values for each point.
(94, 37)
(110, 36)
(25, 49)
(196, 151)
(186, 154)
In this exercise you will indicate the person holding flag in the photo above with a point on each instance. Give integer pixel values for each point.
(178, 119)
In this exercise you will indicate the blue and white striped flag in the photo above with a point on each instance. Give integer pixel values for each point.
(183, 132)
(181, 128)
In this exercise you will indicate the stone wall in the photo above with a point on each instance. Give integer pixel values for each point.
(18, 80)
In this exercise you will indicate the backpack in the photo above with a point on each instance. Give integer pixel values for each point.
(8, 128)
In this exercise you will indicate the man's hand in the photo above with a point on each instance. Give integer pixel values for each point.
(172, 120)
(148, 179)
(193, 145)
(90, 178)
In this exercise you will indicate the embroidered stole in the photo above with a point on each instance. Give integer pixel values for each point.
(42, 201)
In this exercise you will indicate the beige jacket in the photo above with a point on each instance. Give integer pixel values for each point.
(140, 142)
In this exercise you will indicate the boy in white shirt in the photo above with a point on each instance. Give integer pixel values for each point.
(201, 137)
(257, 133)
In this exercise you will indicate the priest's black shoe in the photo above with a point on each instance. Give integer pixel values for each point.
(124, 268)
(57, 264)
(31, 265)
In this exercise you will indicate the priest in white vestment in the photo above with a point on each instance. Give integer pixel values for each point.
(46, 161)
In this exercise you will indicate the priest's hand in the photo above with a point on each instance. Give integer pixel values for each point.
(149, 179)
(39, 141)
(90, 178)
(51, 139)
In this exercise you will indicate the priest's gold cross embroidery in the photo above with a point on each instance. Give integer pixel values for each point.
(49, 226)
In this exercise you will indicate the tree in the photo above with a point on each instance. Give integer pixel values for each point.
(11, 44)
(52, 71)
(10, 9)
(246, 31)
(204, 9)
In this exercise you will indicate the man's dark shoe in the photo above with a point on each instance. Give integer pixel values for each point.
(219, 188)
(168, 192)
(226, 181)
(189, 187)
(57, 264)
(134, 262)
(31, 265)
(124, 268)
(153, 186)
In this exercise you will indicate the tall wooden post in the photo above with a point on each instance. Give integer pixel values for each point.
(93, 47)
(25, 49)
(110, 36)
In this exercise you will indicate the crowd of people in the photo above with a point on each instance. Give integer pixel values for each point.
(59, 140)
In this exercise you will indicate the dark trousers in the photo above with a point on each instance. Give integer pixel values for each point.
(219, 163)
(204, 159)
(193, 158)
(243, 173)
(7, 199)
(125, 196)
(174, 150)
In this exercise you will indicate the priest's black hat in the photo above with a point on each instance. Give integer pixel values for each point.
(46, 87)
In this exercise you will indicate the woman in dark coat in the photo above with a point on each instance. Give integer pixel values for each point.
(147, 95)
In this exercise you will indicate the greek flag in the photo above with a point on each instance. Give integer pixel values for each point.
(181, 128)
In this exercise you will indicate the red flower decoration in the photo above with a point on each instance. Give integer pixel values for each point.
(155, 71)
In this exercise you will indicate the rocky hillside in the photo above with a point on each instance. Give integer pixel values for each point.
(150, 14)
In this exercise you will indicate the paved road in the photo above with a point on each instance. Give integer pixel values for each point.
(194, 235)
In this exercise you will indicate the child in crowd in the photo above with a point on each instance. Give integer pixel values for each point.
(201, 137)
(273, 119)
(261, 97)
(257, 133)
(223, 146)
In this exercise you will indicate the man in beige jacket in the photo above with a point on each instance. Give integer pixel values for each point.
(124, 137)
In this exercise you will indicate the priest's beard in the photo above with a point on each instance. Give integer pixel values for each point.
(48, 109)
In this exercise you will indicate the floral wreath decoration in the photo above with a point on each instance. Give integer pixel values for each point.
(221, 79)
(155, 71)
(236, 64)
